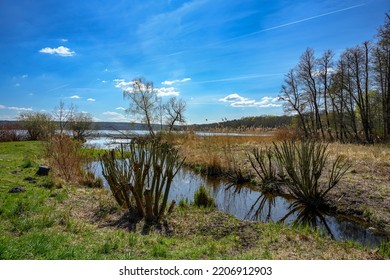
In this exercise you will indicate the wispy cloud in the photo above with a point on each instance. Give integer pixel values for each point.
(170, 91)
(169, 83)
(3, 107)
(120, 108)
(239, 101)
(91, 99)
(75, 97)
(121, 83)
(61, 51)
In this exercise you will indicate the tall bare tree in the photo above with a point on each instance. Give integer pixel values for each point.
(63, 115)
(381, 56)
(143, 102)
(294, 102)
(325, 70)
(308, 74)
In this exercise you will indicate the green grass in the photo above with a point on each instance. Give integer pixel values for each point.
(67, 223)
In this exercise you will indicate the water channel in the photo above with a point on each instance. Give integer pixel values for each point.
(249, 204)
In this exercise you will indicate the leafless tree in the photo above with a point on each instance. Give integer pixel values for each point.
(174, 109)
(80, 124)
(143, 102)
(63, 116)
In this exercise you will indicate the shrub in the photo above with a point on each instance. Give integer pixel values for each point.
(304, 163)
(141, 176)
(202, 198)
(65, 157)
(39, 126)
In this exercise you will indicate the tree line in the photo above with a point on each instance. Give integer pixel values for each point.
(63, 120)
(247, 123)
(345, 99)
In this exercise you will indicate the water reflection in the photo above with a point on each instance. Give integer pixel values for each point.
(262, 209)
(340, 228)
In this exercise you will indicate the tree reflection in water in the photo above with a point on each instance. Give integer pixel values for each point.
(262, 208)
(301, 214)
(313, 217)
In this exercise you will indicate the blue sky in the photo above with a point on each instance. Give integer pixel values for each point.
(225, 58)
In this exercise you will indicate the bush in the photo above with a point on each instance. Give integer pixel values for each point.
(66, 157)
(202, 198)
(304, 163)
(141, 176)
(39, 126)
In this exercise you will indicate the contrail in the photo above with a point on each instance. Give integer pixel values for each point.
(293, 22)
(273, 28)
(56, 88)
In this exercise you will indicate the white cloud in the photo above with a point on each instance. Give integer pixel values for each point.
(237, 100)
(169, 83)
(20, 109)
(2, 107)
(121, 83)
(61, 51)
(75, 97)
(91, 99)
(163, 91)
(24, 76)
(120, 108)
(167, 92)
(64, 40)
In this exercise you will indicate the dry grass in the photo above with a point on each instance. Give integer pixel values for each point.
(217, 154)
(364, 191)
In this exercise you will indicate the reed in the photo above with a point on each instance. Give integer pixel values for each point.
(304, 164)
(262, 162)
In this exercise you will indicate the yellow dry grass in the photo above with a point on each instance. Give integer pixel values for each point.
(364, 191)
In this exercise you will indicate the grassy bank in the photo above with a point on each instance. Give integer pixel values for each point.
(55, 220)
